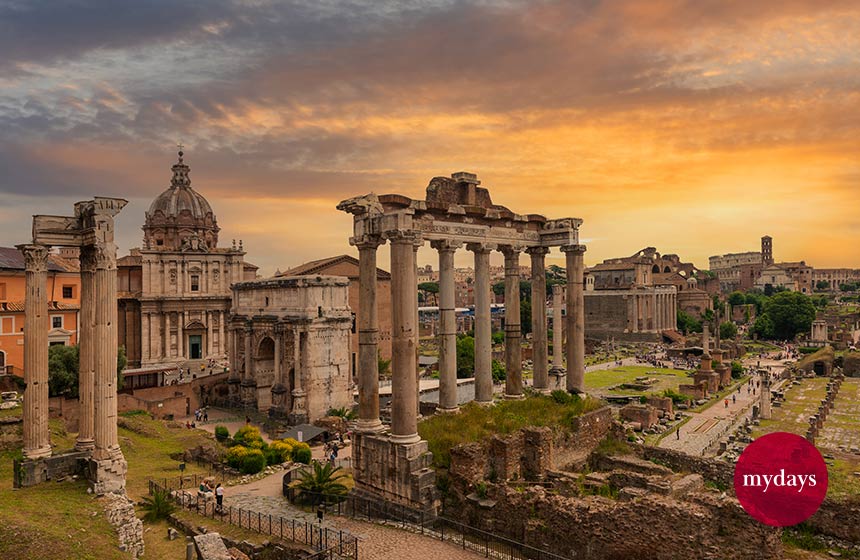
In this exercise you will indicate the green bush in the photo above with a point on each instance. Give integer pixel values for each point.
(302, 454)
(737, 369)
(249, 436)
(677, 398)
(253, 462)
(222, 433)
(158, 506)
(498, 371)
(808, 350)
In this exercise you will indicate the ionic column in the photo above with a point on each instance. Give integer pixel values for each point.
(404, 421)
(37, 442)
(557, 331)
(513, 350)
(86, 347)
(447, 327)
(105, 351)
(539, 338)
(483, 325)
(575, 318)
(368, 337)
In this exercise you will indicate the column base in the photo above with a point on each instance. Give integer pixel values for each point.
(514, 397)
(369, 426)
(107, 475)
(85, 445)
(39, 453)
(296, 418)
(404, 439)
(485, 403)
(453, 410)
(396, 472)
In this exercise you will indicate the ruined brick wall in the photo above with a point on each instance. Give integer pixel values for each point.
(596, 528)
(645, 415)
(838, 518)
(711, 469)
(11, 432)
(571, 450)
(851, 364)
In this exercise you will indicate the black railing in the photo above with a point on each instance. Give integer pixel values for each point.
(326, 542)
(487, 544)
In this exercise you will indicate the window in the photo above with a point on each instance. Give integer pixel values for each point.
(3, 291)
(159, 242)
(195, 283)
(68, 292)
(267, 301)
(57, 322)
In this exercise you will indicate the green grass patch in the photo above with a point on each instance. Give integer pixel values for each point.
(602, 380)
(475, 422)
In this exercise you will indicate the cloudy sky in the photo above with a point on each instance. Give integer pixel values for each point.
(695, 126)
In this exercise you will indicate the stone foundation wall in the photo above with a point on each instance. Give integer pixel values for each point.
(712, 470)
(31, 472)
(571, 450)
(696, 391)
(11, 432)
(643, 414)
(595, 528)
(120, 514)
(838, 518)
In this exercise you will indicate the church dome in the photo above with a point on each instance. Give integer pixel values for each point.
(180, 218)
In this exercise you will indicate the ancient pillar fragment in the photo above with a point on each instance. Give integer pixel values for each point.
(447, 327)
(404, 421)
(86, 347)
(37, 443)
(539, 330)
(513, 349)
(368, 336)
(483, 325)
(575, 318)
(417, 243)
(557, 332)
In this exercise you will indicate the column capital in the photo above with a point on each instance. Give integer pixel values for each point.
(445, 245)
(35, 257)
(537, 251)
(575, 249)
(88, 258)
(511, 250)
(557, 289)
(367, 241)
(404, 237)
(482, 247)
(104, 255)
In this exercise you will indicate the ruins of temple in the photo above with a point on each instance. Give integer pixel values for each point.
(393, 463)
(290, 355)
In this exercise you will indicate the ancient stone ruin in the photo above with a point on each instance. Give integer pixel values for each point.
(394, 464)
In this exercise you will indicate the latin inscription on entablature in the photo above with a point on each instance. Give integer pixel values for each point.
(432, 229)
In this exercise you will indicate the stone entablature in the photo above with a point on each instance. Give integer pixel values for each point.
(291, 346)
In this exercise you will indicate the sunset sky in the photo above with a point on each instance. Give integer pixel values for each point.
(692, 126)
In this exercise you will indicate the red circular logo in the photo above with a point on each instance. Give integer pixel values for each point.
(780, 479)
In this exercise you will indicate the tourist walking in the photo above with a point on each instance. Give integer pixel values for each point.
(219, 497)
(727, 403)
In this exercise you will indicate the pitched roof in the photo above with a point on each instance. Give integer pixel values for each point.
(18, 306)
(12, 259)
(320, 267)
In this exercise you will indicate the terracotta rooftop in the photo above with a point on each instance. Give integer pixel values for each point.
(18, 306)
(321, 266)
(12, 259)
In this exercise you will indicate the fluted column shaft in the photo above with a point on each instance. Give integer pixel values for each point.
(575, 318)
(37, 441)
(447, 328)
(105, 353)
(417, 243)
(368, 338)
(513, 349)
(483, 325)
(86, 347)
(539, 335)
(404, 420)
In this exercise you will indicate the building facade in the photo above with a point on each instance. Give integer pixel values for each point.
(174, 292)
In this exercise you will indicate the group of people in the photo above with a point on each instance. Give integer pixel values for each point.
(206, 490)
(201, 414)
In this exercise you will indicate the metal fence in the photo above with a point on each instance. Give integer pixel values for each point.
(327, 543)
(487, 544)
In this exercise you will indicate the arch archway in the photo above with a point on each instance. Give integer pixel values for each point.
(265, 355)
(655, 269)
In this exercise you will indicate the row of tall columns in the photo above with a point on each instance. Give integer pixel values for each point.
(105, 355)
(37, 441)
(405, 387)
(557, 329)
(86, 353)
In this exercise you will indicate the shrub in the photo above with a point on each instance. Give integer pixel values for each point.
(279, 451)
(677, 398)
(563, 397)
(342, 412)
(302, 453)
(236, 455)
(158, 506)
(248, 435)
(221, 433)
(737, 369)
(253, 462)
(323, 482)
(498, 371)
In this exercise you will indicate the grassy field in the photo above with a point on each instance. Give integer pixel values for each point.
(801, 402)
(475, 422)
(601, 381)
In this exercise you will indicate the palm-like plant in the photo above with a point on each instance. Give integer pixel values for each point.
(323, 482)
(158, 506)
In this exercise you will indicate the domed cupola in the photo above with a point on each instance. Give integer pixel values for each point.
(180, 219)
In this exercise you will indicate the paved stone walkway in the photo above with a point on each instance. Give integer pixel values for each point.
(377, 542)
(716, 421)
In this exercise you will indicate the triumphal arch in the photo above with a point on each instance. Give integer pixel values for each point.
(392, 463)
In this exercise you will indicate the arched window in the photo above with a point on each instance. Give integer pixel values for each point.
(655, 269)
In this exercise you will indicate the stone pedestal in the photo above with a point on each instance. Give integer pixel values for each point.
(710, 378)
(394, 472)
(248, 393)
(299, 413)
(107, 475)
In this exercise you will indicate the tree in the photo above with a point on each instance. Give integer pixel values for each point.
(498, 371)
(763, 327)
(822, 285)
(526, 316)
(499, 288)
(737, 298)
(429, 288)
(687, 323)
(791, 313)
(323, 482)
(728, 330)
(708, 315)
(465, 357)
(63, 365)
(383, 365)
